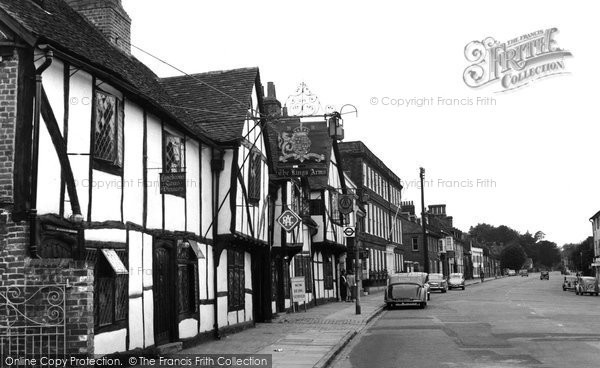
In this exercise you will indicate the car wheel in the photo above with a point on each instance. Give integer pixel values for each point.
(564, 288)
(444, 290)
(389, 305)
(428, 296)
(463, 287)
(423, 305)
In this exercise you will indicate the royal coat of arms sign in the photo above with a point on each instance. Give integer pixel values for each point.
(300, 149)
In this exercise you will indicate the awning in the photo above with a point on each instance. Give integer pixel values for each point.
(114, 261)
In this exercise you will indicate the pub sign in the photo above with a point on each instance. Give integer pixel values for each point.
(301, 149)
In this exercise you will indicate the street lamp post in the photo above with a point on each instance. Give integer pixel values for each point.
(423, 221)
(357, 267)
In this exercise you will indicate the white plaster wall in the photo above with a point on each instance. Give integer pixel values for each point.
(207, 193)
(136, 323)
(80, 117)
(174, 213)
(188, 328)
(222, 286)
(110, 342)
(222, 311)
(224, 186)
(49, 171)
(207, 317)
(133, 170)
(148, 317)
(211, 276)
(108, 235)
(154, 165)
(106, 196)
(192, 158)
(136, 270)
(232, 318)
(147, 281)
(248, 285)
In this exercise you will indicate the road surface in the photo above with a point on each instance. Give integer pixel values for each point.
(510, 322)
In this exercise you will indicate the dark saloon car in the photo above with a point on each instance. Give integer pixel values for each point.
(587, 285)
(544, 275)
(406, 289)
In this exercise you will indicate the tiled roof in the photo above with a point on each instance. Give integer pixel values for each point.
(58, 25)
(218, 101)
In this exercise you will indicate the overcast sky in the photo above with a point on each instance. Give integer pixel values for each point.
(528, 161)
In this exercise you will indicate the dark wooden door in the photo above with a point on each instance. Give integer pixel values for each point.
(164, 292)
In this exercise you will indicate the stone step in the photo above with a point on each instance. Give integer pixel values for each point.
(170, 348)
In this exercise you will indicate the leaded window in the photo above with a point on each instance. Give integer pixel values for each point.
(187, 279)
(111, 300)
(235, 280)
(174, 151)
(336, 216)
(302, 267)
(108, 131)
(254, 177)
(328, 273)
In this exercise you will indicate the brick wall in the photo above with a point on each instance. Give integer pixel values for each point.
(16, 268)
(79, 297)
(109, 17)
(8, 115)
(14, 236)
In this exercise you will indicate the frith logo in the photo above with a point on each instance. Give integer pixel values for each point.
(514, 63)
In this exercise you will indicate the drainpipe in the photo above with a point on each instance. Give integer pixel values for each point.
(35, 150)
(217, 165)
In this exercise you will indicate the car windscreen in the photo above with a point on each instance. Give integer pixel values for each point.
(456, 275)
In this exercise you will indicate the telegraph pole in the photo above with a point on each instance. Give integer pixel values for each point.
(423, 221)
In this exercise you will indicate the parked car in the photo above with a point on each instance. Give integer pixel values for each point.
(456, 280)
(426, 276)
(437, 282)
(524, 273)
(512, 273)
(569, 283)
(587, 285)
(404, 288)
(544, 275)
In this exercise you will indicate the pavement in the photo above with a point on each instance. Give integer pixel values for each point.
(511, 322)
(303, 339)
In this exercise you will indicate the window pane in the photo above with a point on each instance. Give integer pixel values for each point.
(174, 151)
(105, 130)
(254, 176)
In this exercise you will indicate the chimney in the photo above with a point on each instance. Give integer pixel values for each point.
(408, 207)
(272, 105)
(109, 17)
(437, 209)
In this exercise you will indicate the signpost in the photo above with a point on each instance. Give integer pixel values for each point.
(349, 231)
(288, 220)
(346, 203)
(299, 290)
(173, 183)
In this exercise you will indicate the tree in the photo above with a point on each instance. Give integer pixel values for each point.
(582, 255)
(513, 257)
(549, 254)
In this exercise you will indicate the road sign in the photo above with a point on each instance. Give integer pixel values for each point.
(349, 231)
(298, 289)
(346, 203)
(288, 220)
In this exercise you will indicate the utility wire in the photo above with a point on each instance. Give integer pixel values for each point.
(245, 105)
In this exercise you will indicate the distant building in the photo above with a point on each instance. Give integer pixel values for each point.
(412, 241)
(381, 188)
(595, 220)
